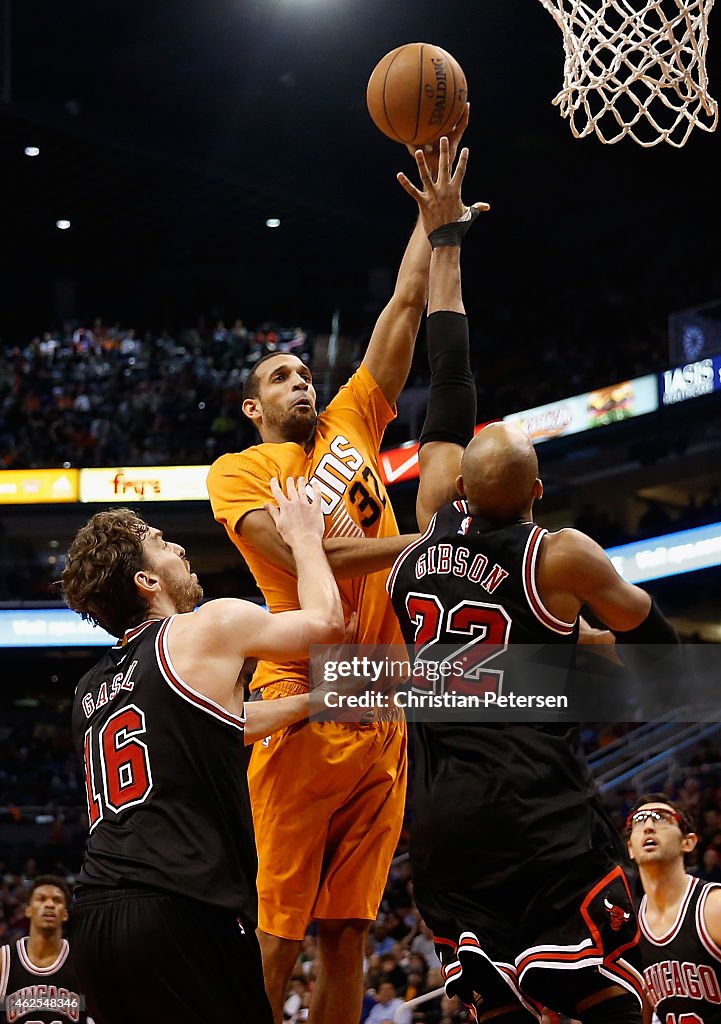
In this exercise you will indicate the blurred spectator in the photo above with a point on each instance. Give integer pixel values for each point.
(387, 1003)
(711, 865)
(298, 988)
(392, 972)
(383, 941)
(98, 397)
(423, 945)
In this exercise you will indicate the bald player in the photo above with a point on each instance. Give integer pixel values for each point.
(516, 868)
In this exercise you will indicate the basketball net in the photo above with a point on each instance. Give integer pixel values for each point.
(635, 67)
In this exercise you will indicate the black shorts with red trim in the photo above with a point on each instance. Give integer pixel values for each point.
(549, 936)
(146, 956)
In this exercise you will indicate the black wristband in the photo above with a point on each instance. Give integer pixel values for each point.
(452, 234)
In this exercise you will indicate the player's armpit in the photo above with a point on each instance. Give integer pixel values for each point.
(574, 570)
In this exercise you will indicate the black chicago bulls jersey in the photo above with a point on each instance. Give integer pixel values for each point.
(682, 969)
(466, 593)
(38, 995)
(463, 558)
(165, 771)
(471, 587)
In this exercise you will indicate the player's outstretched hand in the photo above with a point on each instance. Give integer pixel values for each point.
(432, 150)
(439, 200)
(297, 518)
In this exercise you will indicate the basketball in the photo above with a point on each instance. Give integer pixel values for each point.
(416, 93)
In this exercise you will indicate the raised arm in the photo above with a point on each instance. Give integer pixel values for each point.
(390, 350)
(451, 414)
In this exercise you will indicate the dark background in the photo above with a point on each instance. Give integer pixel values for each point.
(170, 131)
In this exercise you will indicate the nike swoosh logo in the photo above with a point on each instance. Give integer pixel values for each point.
(393, 474)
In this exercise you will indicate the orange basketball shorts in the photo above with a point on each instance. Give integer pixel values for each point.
(328, 801)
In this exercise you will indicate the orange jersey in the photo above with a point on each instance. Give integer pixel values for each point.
(344, 461)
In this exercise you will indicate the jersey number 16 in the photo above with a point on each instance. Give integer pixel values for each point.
(124, 765)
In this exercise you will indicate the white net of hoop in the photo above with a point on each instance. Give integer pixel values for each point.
(635, 67)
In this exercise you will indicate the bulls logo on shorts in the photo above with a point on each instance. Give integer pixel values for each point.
(617, 915)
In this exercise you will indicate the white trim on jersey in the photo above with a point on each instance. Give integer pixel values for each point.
(184, 690)
(530, 588)
(390, 582)
(130, 634)
(4, 971)
(703, 932)
(663, 940)
(41, 971)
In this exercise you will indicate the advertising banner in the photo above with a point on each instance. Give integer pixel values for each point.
(693, 380)
(49, 627)
(593, 409)
(669, 554)
(144, 483)
(38, 486)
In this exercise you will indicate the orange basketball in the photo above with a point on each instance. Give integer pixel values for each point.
(416, 93)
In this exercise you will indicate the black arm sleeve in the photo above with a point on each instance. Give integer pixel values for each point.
(451, 413)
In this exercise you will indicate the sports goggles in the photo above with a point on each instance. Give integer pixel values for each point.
(657, 815)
